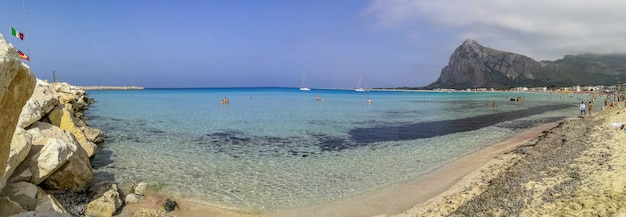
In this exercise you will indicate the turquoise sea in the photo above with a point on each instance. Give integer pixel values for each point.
(273, 148)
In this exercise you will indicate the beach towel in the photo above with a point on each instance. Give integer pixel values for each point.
(617, 124)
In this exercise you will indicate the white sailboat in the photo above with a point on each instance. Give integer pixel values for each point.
(302, 86)
(358, 87)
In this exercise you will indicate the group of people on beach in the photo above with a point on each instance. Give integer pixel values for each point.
(611, 100)
(583, 110)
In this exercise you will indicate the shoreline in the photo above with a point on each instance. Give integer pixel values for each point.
(577, 170)
(398, 199)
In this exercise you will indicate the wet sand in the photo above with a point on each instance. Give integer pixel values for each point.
(462, 177)
(152, 206)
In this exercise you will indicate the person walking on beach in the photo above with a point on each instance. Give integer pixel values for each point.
(582, 108)
(590, 107)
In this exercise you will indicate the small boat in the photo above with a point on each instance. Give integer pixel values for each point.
(302, 87)
(358, 87)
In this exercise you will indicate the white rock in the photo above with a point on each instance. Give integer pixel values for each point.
(20, 146)
(16, 86)
(52, 147)
(43, 100)
(75, 175)
(132, 198)
(141, 188)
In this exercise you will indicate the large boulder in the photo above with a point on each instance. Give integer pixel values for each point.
(93, 134)
(51, 149)
(105, 202)
(41, 214)
(47, 203)
(20, 146)
(24, 193)
(43, 100)
(16, 85)
(62, 117)
(75, 175)
(9, 207)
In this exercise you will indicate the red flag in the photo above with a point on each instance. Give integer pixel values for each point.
(23, 56)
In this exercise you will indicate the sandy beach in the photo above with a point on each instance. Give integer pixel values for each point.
(573, 168)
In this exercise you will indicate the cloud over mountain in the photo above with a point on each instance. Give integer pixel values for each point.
(539, 29)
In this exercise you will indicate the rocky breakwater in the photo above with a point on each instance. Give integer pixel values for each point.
(45, 147)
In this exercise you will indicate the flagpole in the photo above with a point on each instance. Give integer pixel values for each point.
(26, 28)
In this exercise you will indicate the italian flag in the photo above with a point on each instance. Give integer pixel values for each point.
(17, 33)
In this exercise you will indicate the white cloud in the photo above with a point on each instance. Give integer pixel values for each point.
(538, 28)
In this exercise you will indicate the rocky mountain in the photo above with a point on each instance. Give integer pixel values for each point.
(474, 66)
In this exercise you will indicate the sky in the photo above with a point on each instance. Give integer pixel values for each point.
(271, 43)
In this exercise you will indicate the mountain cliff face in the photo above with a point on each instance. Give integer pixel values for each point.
(474, 66)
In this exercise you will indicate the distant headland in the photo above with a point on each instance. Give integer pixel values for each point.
(111, 87)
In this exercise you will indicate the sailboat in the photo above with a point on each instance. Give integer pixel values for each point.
(302, 87)
(358, 87)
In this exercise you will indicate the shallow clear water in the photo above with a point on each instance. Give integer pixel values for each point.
(279, 147)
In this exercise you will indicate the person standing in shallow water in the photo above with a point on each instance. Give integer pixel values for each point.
(582, 108)
(590, 107)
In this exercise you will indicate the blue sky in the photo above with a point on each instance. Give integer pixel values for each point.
(229, 43)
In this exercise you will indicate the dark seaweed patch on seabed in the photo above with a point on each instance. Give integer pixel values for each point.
(423, 130)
